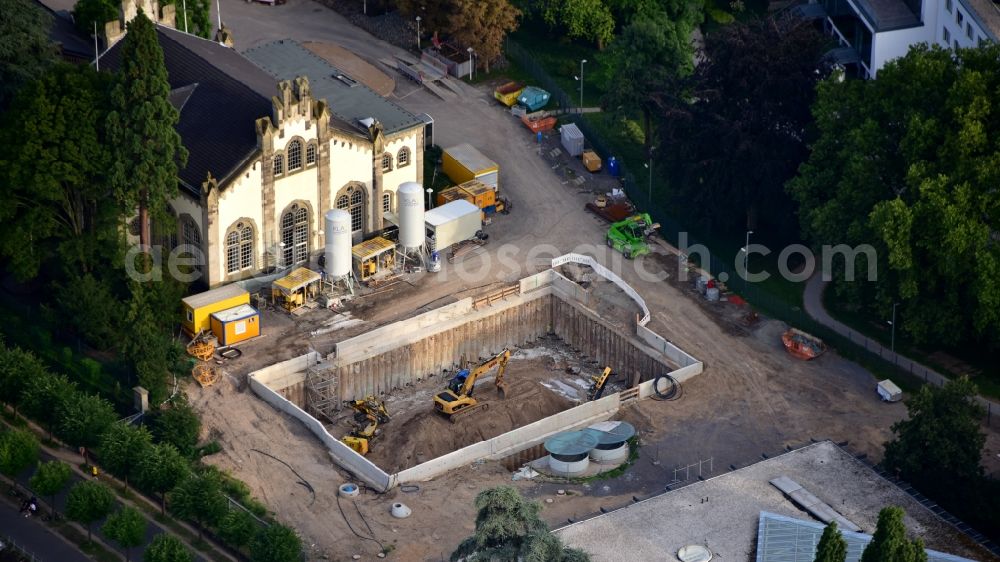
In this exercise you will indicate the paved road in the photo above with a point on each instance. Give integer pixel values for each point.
(31, 535)
(812, 299)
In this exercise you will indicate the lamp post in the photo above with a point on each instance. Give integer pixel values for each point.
(418, 32)
(649, 193)
(581, 82)
(429, 193)
(470, 63)
(893, 324)
(746, 259)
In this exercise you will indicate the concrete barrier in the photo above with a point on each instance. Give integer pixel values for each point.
(344, 456)
(660, 344)
(610, 276)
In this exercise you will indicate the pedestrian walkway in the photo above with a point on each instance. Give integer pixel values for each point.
(812, 299)
(31, 536)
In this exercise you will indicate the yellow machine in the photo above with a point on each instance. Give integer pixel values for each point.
(597, 384)
(369, 413)
(457, 398)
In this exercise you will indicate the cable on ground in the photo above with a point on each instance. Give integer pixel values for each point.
(351, 527)
(673, 393)
(302, 481)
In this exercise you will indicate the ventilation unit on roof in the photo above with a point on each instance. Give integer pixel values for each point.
(346, 79)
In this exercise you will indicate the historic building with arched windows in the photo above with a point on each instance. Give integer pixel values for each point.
(271, 152)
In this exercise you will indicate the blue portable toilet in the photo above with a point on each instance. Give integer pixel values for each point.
(613, 168)
(538, 137)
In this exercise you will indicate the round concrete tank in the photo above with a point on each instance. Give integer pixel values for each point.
(568, 452)
(612, 441)
(410, 203)
(337, 226)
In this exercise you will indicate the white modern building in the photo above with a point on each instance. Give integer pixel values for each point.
(873, 32)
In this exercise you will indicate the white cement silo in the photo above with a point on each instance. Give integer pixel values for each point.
(410, 202)
(337, 226)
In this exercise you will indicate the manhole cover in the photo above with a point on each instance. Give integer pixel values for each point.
(694, 553)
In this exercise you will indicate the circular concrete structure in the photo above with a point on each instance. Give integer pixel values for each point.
(568, 452)
(612, 441)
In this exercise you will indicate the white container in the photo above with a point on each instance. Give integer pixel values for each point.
(410, 203)
(451, 223)
(337, 252)
(610, 456)
(572, 139)
(888, 391)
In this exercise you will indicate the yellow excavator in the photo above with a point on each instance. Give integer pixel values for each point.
(369, 413)
(597, 384)
(456, 401)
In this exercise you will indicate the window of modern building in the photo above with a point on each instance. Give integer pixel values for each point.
(945, 35)
(294, 155)
(279, 165)
(959, 18)
(311, 153)
(968, 31)
(947, 5)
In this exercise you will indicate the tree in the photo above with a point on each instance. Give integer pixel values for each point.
(922, 195)
(123, 447)
(832, 547)
(199, 498)
(483, 25)
(509, 528)
(148, 150)
(737, 133)
(238, 528)
(435, 15)
(161, 470)
(83, 418)
(17, 367)
(889, 543)
(178, 425)
(166, 548)
(89, 501)
(45, 394)
(276, 543)
(127, 527)
(590, 20)
(91, 15)
(18, 450)
(150, 349)
(50, 479)
(25, 49)
(650, 56)
(199, 20)
(939, 445)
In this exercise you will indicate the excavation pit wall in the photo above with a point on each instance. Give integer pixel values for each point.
(391, 357)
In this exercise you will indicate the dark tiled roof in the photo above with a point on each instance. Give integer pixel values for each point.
(217, 117)
(63, 32)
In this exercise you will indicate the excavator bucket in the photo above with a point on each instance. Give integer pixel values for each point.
(502, 390)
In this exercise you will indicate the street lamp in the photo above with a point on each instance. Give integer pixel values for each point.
(893, 324)
(649, 194)
(746, 258)
(429, 193)
(418, 32)
(470, 62)
(581, 82)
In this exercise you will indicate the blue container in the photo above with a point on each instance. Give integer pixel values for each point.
(613, 168)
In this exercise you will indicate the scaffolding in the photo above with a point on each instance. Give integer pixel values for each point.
(322, 392)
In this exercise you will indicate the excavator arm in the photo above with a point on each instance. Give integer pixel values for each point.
(498, 359)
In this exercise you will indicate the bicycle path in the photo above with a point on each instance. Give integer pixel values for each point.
(812, 300)
(35, 538)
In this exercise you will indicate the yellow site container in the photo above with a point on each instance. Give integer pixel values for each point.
(474, 191)
(237, 324)
(463, 162)
(452, 194)
(199, 308)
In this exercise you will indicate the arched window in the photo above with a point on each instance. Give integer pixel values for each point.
(386, 162)
(295, 234)
(403, 157)
(311, 153)
(294, 155)
(352, 200)
(190, 233)
(239, 247)
(387, 202)
(279, 165)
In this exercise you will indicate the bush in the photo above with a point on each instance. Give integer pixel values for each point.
(18, 451)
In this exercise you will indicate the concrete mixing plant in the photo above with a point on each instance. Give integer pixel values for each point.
(337, 252)
(410, 198)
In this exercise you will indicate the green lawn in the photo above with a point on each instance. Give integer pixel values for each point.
(560, 58)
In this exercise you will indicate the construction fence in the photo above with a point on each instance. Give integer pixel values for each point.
(849, 343)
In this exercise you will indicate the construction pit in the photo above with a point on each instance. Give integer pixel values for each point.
(558, 338)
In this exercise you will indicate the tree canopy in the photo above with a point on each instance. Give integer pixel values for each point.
(88, 13)
(276, 543)
(89, 501)
(127, 527)
(50, 479)
(483, 25)
(199, 498)
(508, 528)
(832, 547)
(889, 543)
(123, 447)
(589, 20)
(923, 194)
(25, 49)
(166, 548)
(18, 451)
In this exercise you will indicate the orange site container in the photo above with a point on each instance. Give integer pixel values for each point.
(236, 324)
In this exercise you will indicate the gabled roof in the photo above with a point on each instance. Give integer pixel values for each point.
(217, 118)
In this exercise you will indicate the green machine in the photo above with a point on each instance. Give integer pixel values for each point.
(629, 236)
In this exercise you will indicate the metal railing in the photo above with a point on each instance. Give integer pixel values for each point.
(7, 543)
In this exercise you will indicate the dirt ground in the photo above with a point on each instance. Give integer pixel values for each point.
(354, 66)
(752, 398)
